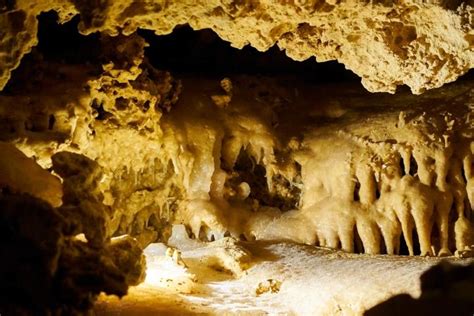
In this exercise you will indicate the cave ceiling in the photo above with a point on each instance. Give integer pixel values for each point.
(421, 44)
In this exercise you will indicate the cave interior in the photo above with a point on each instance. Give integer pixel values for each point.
(180, 159)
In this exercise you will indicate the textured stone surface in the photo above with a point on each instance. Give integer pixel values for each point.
(21, 174)
(312, 281)
(250, 156)
(416, 43)
(46, 267)
(111, 113)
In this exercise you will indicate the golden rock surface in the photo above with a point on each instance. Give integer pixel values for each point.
(387, 43)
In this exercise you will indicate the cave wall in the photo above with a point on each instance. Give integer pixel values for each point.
(253, 157)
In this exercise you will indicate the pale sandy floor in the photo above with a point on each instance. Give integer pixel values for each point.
(314, 281)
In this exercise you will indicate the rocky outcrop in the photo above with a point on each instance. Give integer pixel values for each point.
(445, 288)
(419, 44)
(47, 265)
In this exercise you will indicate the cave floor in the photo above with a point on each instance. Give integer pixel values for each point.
(282, 279)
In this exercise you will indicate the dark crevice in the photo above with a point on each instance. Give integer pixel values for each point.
(63, 42)
(383, 246)
(51, 122)
(203, 52)
(467, 209)
(413, 166)
(402, 167)
(377, 191)
(403, 249)
(283, 195)
(358, 245)
(464, 175)
(356, 191)
(100, 114)
(435, 238)
(416, 242)
(453, 217)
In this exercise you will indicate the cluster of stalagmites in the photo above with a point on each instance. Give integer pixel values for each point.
(254, 158)
(47, 266)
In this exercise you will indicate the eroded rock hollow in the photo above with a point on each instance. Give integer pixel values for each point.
(103, 153)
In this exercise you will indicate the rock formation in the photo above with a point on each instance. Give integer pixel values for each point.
(250, 157)
(46, 266)
(387, 43)
(104, 154)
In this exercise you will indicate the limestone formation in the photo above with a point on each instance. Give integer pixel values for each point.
(400, 177)
(21, 174)
(102, 156)
(46, 268)
(387, 43)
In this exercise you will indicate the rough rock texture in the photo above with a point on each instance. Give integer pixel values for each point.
(46, 268)
(110, 113)
(250, 157)
(299, 280)
(22, 174)
(416, 43)
(239, 158)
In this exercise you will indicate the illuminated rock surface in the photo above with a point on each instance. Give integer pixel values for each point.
(417, 43)
(279, 160)
(312, 281)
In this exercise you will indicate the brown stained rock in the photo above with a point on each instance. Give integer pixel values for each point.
(268, 286)
(82, 198)
(419, 44)
(21, 174)
(19, 27)
(44, 267)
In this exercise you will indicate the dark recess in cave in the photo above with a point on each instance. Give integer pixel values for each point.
(203, 52)
(63, 42)
(186, 51)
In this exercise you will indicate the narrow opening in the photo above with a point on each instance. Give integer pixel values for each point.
(453, 217)
(464, 175)
(64, 43)
(383, 247)
(402, 167)
(204, 52)
(100, 113)
(416, 242)
(283, 195)
(467, 209)
(435, 238)
(356, 191)
(242, 237)
(377, 190)
(403, 250)
(51, 122)
(358, 245)
(413, 167)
